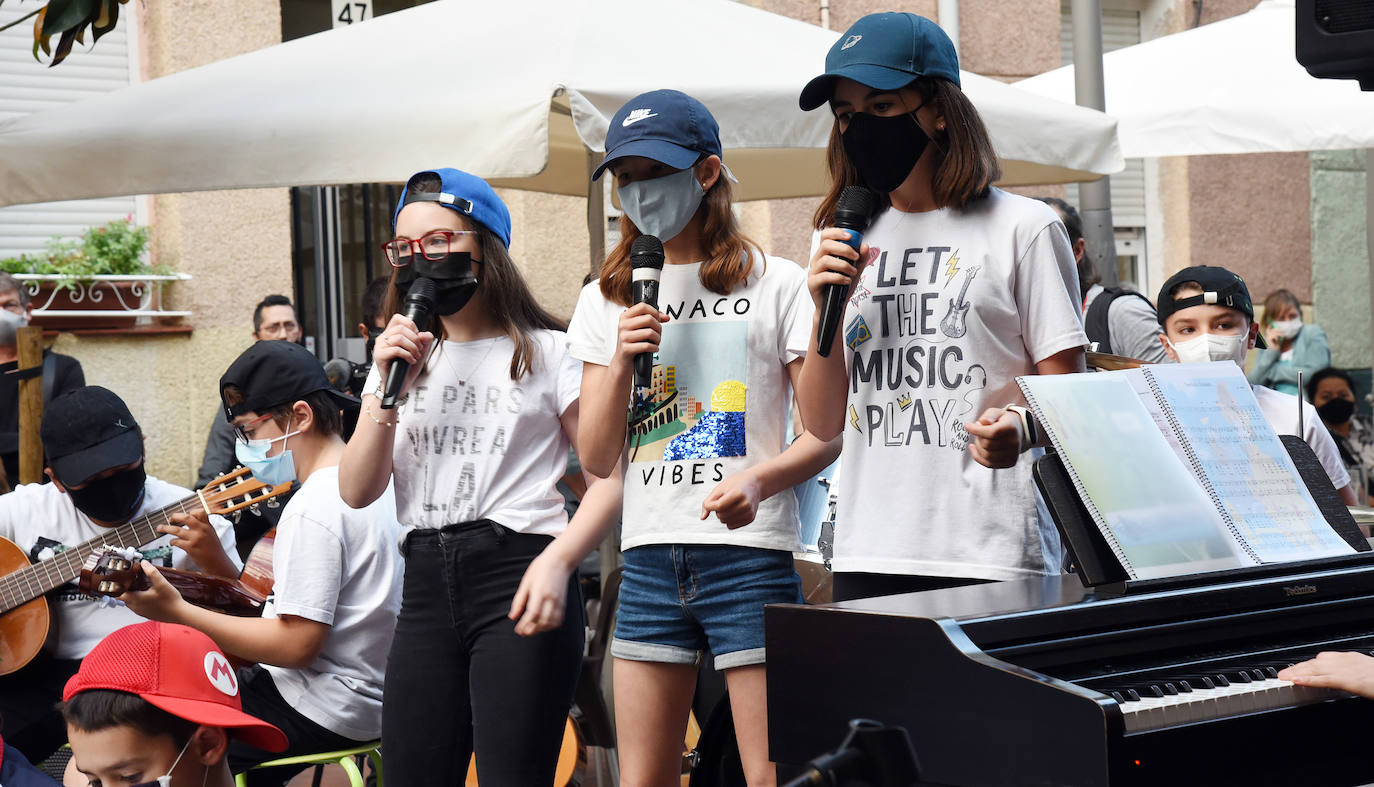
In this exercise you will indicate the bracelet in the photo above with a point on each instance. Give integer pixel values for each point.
(378, 421)
(1027, 425)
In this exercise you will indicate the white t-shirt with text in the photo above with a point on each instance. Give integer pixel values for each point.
(473, 444)
(953, 306)
(339, 566)
(42, 521)
(718, 402)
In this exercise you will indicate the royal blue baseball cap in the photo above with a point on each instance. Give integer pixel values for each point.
(467, 194)
(885, 51)
(668, 126)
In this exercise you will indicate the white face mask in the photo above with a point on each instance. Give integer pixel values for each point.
(1288, 328)
(1212, 347)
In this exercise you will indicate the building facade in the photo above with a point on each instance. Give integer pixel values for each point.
(1293, 220)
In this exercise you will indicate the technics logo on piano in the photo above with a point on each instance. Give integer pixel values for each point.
(1299, 590)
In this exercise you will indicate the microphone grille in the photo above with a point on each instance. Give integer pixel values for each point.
(423, 289)
(856, 200)
(646, 252)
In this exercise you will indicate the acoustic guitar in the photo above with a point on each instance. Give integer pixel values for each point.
(24, 614)
(109, 572)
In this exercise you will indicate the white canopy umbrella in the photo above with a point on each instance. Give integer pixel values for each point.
(517, 91)
(1233, 86)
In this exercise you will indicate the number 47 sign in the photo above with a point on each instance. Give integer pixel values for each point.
(347, 13)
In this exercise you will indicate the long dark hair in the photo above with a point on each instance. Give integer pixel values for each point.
(508, 300)
(727, 248)
(968, 163)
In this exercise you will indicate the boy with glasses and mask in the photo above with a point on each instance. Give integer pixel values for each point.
(324, 634)
(1207, 315)
(155, 705)
(94, 449)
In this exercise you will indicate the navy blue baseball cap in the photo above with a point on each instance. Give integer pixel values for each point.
(467, 194)
(885, 51)
(668, 126)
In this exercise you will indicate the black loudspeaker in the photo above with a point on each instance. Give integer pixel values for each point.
(1335, 39)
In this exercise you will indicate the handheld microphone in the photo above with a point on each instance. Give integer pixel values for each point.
(419, 304)
(646, 261)
(853, 211)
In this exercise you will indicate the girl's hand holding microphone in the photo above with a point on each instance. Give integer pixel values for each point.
(401, 341)
(834, 262)
(639, 331)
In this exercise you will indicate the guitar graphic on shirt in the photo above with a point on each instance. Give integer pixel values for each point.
(954, 324)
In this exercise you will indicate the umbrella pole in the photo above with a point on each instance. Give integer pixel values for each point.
(1094, 198)
(1369, 236)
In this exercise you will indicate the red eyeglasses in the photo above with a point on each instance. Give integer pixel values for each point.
(433, 245)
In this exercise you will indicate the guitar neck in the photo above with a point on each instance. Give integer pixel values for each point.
(33, 581)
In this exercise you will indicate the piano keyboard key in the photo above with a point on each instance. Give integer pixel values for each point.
(1232, 693)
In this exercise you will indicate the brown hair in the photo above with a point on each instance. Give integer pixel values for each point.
(1276, 299)
(968, 163)
(507, 298)
(727, 248)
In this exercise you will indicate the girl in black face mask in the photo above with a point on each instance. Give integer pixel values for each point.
(490, 632)
(1332, 392)
(957, 288)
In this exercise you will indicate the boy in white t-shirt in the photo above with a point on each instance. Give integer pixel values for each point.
(325, 632)
(1207, 315)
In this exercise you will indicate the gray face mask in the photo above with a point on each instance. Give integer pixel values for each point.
(9, 324)
(662, 207)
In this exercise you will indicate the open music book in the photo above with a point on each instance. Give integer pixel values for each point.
(1179, 468)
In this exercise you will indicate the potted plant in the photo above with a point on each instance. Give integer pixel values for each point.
(100, 282)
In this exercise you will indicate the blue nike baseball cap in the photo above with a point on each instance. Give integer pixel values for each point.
(465, 193)
(885, 51)
(668, 126)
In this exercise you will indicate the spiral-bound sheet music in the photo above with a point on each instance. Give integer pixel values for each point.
(1179, 469)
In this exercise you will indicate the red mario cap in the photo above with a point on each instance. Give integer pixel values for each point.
(179, 670)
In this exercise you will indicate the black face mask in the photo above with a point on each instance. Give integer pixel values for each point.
(884, 149)
(453, 278)
(1336, 411)
(112, 499)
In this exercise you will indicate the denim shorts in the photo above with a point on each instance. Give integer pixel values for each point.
(677, 601)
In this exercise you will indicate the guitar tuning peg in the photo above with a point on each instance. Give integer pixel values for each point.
(236, 515)
(257, 511)
(273, 502)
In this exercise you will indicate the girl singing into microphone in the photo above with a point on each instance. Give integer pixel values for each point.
(489, 638)
(958, 288)
(709, 519)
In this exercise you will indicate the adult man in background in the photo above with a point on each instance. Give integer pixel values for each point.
(61, 373)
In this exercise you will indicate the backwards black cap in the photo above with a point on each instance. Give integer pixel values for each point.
(273, 373)
(1219, 286)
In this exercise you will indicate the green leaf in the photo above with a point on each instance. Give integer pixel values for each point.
(63, 15)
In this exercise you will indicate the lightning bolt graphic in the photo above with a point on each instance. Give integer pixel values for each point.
(854, 418)
(953, 266)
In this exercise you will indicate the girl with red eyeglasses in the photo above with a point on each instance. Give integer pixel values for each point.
(489, 639)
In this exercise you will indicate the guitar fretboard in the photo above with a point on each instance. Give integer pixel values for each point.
(33, 581)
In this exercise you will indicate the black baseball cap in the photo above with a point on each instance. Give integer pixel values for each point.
(87, 431)
(273, 373)
(1219, 286)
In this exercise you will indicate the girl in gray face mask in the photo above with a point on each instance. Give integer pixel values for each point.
(707, 502)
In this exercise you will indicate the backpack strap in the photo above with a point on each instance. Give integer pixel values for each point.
(1095, 320)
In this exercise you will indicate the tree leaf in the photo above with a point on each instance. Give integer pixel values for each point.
(108, 17)
(64, 46)
(63, 15)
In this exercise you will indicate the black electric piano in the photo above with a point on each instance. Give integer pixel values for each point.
(1088, 678)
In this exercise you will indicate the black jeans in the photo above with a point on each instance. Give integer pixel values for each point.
(303, 736)
(459, 678)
